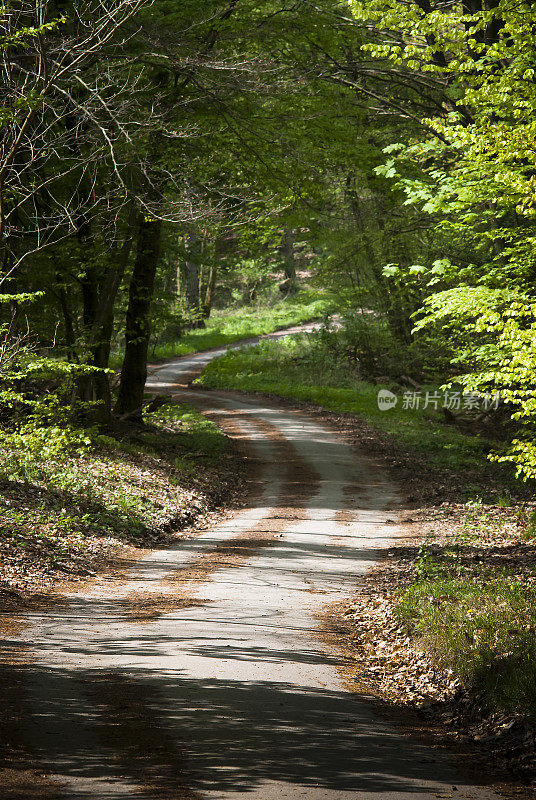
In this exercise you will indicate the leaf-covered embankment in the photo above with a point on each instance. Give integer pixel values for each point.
(70, 513)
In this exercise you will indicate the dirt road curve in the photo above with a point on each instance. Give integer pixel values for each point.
(203, 677)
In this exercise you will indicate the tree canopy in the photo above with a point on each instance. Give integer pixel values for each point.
(152, 151)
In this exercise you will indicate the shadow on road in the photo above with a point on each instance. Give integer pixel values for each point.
(177, 737)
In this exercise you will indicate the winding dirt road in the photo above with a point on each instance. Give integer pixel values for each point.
(202, 676)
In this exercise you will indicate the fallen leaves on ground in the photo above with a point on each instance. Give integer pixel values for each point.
(108, 503)
(494, 526)
(389, 664)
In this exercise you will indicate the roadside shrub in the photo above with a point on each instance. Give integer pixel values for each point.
(38, 423)
(484, 628)
(365, 346)
(36, 451)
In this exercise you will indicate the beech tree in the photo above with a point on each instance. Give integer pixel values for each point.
(473, 171)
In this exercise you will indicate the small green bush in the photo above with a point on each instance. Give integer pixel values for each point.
(485, 629)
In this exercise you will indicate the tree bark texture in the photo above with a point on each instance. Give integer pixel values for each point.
(134, 370)
(209, 292)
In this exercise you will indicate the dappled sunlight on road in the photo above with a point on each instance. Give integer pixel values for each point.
(201, 675)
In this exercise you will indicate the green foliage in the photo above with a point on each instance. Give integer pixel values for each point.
(84, 493)
(39, 429)
(34, 450)
(40, 436)
(472, 172)
(483, 628)
(499, 354)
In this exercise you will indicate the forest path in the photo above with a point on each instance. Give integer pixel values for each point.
(202, 675)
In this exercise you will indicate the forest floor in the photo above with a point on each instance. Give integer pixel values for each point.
(94, 512)
(443, 535)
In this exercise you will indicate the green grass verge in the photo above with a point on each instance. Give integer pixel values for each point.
(295, 368)
(225, 327)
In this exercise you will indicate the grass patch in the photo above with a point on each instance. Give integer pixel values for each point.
(225, 327)
(470, 603)
(297, 368)
(482, 624)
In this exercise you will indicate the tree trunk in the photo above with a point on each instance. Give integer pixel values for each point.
(68, 322)
(14, 309)
(191, 284)
(191, 274)
(103, 322)
(99, 321)
(209, 293)
(134, 371)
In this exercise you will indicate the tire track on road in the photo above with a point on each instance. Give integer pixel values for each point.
(175, 589)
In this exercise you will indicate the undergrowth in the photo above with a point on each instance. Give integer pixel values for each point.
(63, 505)
(481, 623)
(472, 602)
